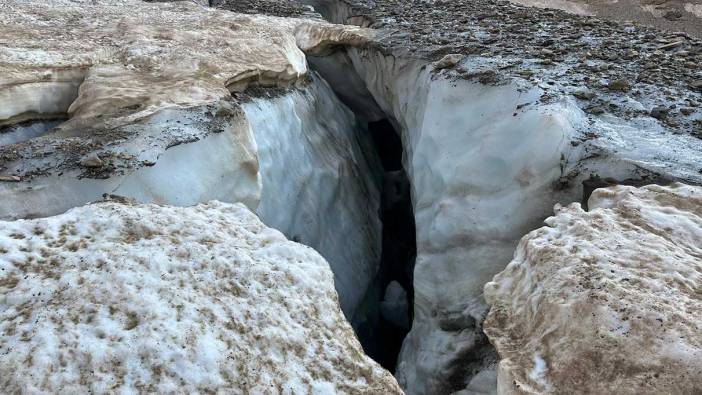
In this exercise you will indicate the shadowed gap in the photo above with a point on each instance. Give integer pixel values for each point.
(382, 338)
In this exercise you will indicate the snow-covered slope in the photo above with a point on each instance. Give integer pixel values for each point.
(605, 301)
(115, 297)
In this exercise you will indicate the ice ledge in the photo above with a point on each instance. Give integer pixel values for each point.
(112, 67)
(150, 56)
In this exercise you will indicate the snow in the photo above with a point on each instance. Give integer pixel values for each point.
(604, 301)
(125, 298)
(538, 371)
(154, 55)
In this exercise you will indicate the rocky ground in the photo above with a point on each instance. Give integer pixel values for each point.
(670, 15)
(601, 63)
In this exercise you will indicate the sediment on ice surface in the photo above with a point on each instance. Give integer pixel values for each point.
(121, 297)
(606, 300)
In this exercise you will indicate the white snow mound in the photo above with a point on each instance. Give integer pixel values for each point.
(124, 298)
(605, 301)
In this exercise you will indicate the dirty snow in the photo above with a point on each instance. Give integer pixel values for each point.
(605, 301)
(147, 55)
(125, 298)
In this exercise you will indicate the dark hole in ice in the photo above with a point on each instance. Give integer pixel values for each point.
(388, 144)
(384, 318)
(382, 334)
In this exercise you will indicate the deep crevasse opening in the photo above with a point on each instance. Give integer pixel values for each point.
(382, 335)
(358, 216)
(487, 163)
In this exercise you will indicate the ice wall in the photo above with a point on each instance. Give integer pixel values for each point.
(487, 163)
(220, 165)
(319, 183)
(297, 159)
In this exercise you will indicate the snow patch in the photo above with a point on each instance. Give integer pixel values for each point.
(123, 298)
(538, 372)
(609, 297)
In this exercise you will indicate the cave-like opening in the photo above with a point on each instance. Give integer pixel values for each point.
(389, 302)
(382, 337)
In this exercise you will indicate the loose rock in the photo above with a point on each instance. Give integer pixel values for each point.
(448, 61)
(91, 160)
(659, 112)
